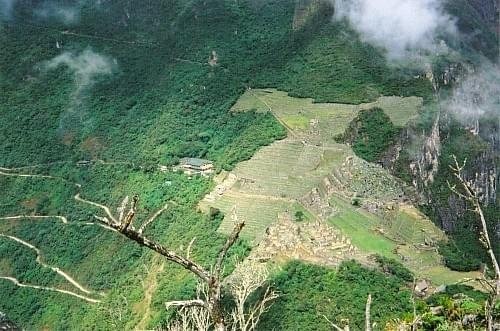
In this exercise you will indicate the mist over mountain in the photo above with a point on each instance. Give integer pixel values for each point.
(137, 136)
(406, 30)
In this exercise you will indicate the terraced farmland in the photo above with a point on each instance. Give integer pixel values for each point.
(273, 181)
(258, 212)
(326, 119)
(288, 168)
(310, 170)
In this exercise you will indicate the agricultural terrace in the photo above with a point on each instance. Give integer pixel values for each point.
(311, 170)
(306, 118)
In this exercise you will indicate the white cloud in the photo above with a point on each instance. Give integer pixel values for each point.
(6, 7)
(86, 67)
(477, 95)
(404, 28)
(65, 14)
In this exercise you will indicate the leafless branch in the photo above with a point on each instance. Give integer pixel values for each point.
(368, 324)
(190, 246)
(211, 305)
(127, 221)
(153, 218)
(185, 303)
(132, 234)
(230, 241)
(245, 280)
(121, 209)
(470, 195)
(335, 326)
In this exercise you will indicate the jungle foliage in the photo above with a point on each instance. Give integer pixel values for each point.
(160, 102)
(370, 134)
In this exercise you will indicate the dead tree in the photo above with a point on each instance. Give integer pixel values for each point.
(124, 224)
(191, 318)
(368, 323)
(368, 307)
(249, 276)
(469, 194)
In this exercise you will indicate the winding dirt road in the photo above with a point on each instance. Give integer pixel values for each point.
(18, 283)
(40, 261)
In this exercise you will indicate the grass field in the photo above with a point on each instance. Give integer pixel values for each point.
(360, 226)
(299, 114)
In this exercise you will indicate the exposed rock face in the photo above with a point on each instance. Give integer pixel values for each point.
(427, 163)
(448, 215)
(482, 171)
(484, 176)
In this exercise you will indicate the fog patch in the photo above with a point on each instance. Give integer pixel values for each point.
(477, 96)
(64, 14)
(6, 7)
(405, 29)
(86, 67)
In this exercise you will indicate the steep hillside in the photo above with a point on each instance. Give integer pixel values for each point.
(99, 98)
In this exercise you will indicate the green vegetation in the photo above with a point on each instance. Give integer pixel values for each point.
(310, 292)
(395, 268)
(371, 133)
(337, 67)
(159, 101)
(299, 216)
(325, 120)
(360, 226)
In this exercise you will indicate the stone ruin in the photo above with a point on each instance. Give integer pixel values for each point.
(317, 201)
(313, 241)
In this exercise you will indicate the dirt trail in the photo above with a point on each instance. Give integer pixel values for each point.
(98, 205)
(39, 258)
(3, 173)
(40, 261)
(20, 217)
(18, 283)
(150, 284)
(34, 166)
(289, 129)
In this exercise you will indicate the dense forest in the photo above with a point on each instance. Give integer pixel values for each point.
(127, 86)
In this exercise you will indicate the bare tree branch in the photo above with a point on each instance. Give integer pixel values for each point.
(472, 197)
(153, 218)
(190, 246)
(335, 326)
(249, 276)
(368, 324)
(213, 298)
(121, 209)
(185, 303)
(230, 241)
(127, 221)
(162, 250)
